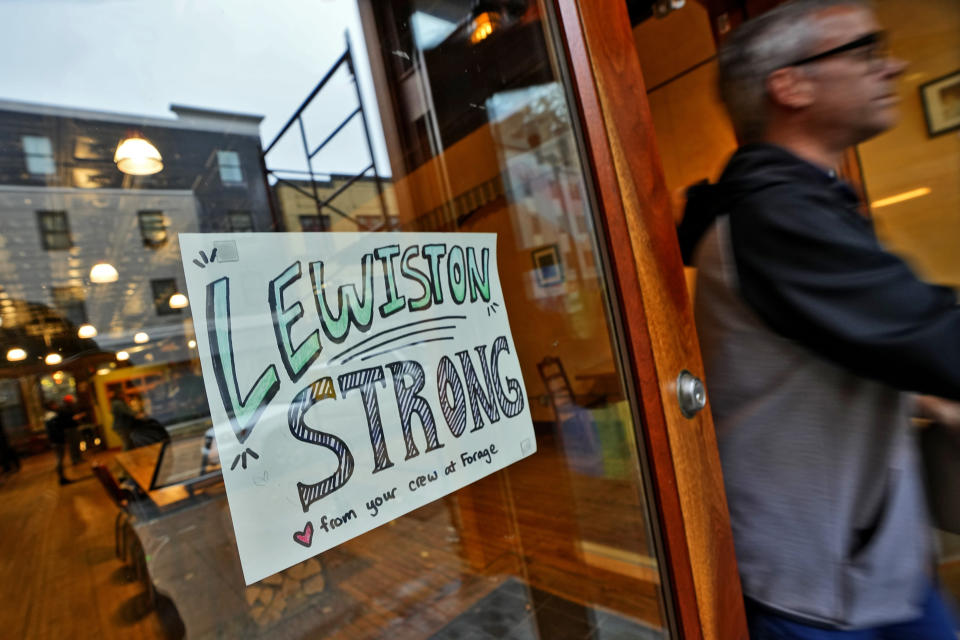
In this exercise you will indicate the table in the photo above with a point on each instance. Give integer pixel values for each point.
(140, 464)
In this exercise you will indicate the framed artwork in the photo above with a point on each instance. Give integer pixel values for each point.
(941, 103)
(547, 265)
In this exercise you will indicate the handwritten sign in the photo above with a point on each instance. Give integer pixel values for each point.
(351, 379)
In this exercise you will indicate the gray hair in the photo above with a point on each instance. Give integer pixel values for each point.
(759, 47)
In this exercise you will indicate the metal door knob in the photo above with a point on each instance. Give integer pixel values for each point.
(691, 394)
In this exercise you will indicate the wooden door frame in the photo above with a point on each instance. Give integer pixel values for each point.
(657, 322)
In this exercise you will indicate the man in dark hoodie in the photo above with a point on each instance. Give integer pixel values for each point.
(812, 334)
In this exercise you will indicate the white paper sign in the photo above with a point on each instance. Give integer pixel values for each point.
(351, 379)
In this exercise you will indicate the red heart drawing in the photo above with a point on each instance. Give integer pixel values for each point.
(304, 537)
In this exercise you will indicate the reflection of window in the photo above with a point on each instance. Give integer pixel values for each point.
(90, 148)
(429, 30)
(315, 223)
(368, 221)
(38, 153)
(229, 163)
(547, 266)
(54, 230)
(241, 221)
(163, 288)
(69, 301)
(153, 228)
(93, 177)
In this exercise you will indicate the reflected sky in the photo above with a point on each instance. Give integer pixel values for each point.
(138, 57)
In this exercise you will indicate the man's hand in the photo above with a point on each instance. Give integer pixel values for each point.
(945, 412)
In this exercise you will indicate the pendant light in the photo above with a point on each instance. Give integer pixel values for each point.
(483, 25)
(103, 273)
(136, 156)
(178, 301)
(87, 331)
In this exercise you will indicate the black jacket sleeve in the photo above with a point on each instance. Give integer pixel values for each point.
(816, 274)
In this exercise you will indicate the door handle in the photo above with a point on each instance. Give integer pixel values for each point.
(691, 394)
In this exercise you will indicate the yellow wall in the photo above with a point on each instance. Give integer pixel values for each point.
(925, 230)
(694, 135)
(359, 199)
(695, 138)
(672, 44)
(100, 383)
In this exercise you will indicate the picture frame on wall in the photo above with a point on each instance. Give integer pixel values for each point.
(547, 265)
(941, 103)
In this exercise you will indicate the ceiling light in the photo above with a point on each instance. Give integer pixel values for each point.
(192, 344)
(483, 25)
(900, 197)
(178, 301)
(137, 157)
(103, 273)
(123, 355)
(53, 358)
(141, 337)
(87, 331)
(16, 354)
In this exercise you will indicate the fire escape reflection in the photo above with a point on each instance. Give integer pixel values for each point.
(324, 204)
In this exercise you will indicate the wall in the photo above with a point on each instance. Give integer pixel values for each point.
(695, 138)
(925, 230)
(694, 135)
(360, 201)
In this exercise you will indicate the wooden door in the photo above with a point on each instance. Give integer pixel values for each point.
(657, 321)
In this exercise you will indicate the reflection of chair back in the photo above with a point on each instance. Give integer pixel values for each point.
(575, 426)
(558, 387)
(126, 544)
(122, 498)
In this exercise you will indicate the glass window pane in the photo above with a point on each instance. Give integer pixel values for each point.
(427, 118)
(38, 155)
(229, 163)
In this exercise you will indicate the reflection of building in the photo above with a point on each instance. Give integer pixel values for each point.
(64, 207)
(356, 208)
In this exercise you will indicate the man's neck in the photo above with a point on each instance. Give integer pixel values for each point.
(812, 151)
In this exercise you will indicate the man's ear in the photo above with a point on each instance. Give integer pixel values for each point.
(790, 88)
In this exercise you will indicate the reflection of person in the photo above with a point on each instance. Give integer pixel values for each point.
(810, 333)
(123, 419)
(8, 456)
(144, 429)
(62, 430)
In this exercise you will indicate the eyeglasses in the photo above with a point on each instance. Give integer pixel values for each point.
(872, 48)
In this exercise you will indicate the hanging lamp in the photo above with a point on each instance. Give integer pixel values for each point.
(136, 156)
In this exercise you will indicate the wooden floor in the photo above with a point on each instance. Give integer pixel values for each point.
(60, 577)
(579, 537)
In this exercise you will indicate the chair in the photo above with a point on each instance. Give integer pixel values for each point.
(128, 504)
(577, 431)
(122, 498)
